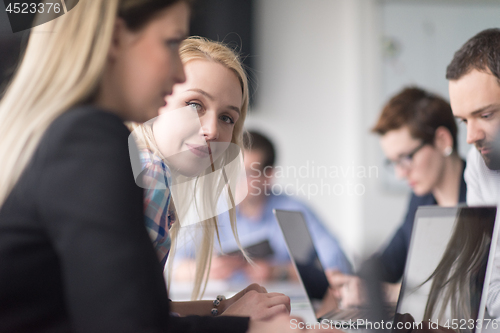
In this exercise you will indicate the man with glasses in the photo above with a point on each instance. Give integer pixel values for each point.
(474, 86)
(418, 136)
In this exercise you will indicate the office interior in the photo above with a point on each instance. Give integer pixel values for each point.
(321, 71)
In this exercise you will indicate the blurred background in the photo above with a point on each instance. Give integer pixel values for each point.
(324, 70)
(321, 71)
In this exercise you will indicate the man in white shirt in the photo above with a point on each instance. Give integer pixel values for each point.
(474, 87)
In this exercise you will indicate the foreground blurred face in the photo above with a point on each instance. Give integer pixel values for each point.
(475, 100)
(144, 65)
(420, 164)
(196, 126)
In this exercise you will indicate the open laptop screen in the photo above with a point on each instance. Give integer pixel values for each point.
(303, 253)
(446, 265)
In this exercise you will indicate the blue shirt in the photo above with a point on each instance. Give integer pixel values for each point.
(251, 232)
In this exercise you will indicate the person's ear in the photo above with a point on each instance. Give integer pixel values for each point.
(121, 35)
(443, 141)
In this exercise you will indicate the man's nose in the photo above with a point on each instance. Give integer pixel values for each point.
(474, 132)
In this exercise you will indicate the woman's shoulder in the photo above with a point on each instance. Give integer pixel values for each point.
(85, 127)
(85, 133)
(87, 118)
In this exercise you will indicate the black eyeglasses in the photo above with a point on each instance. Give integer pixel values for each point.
(404, 162)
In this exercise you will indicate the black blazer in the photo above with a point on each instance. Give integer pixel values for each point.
(74, 252)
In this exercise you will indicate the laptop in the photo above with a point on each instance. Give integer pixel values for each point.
(449, 266)
(311, 274)
(436, 232)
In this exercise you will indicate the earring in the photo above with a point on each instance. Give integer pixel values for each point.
(447, 151)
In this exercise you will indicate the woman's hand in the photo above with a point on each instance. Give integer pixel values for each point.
(254, 286)
(347, 289)
(255, 302)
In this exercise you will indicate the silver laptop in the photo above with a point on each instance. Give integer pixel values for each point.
(435, 243)
(448, 266)
(310, 270)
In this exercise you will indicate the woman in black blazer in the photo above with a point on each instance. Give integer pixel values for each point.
(74, 256)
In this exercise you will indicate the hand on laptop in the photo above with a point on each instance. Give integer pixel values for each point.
(391, 291)
(255, 302)
(350, 291)
(253, 287)
(347, 289)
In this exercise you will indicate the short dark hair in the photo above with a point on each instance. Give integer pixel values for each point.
(256, 141)
(481, 52)
(421, 111)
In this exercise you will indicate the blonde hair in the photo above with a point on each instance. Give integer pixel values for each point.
(61, 68)
(198, 48)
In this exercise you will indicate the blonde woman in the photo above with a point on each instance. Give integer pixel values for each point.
(197, 137)
(74, 253)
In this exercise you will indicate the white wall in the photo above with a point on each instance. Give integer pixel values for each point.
(321, 84)
(313, 97)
